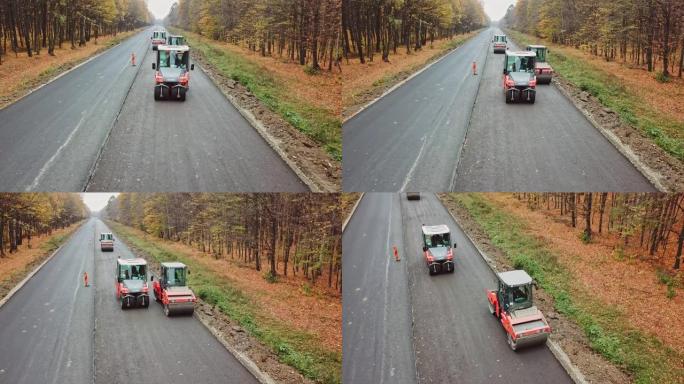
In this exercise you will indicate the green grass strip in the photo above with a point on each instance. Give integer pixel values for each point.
(320, 124)
(641, 355)
(297, 349)
(666, 131)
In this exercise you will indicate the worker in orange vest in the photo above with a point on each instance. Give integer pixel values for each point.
(85, 278)
(396, 253)
(474, 68)
(133, 59)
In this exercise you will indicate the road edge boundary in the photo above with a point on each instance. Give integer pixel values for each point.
(37, 269)
(249, 364)
(560, 355)
(272, 141)
(404, 81)
(65, 72)
(652, 176)
(356, 205)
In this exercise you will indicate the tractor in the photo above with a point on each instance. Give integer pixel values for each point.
(439, 256)
(171, 75)
(412, 195)
(519, 81)
(158, 38)
(131, 283)
(512, 303)
(106, 241)
(499, 42)
(175, 40)
(171, 289)
(542, 68)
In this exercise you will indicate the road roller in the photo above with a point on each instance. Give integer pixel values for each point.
(171, 290)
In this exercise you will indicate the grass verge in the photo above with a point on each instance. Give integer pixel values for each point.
(320, 124)
(643, 356)
(666, 132)
(297, 349)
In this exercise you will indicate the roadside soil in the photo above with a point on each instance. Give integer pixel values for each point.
(566, 333)
(669, 169)
(20, 74)
(313, 309)
(309, 156)
(366, 82)
(15, 266)
(347, 202)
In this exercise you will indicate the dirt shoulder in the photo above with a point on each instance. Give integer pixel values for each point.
(14, 267)
(640, 116)
(20, 74)
(569, 335)
(363, 83)
(296, 113)
(280, 326)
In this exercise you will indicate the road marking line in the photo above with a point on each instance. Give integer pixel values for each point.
(384, 312)
(54, 157)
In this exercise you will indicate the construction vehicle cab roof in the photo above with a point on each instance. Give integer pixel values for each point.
(173, 48)
(174, 264)
(521, 53)
(136, 261)
(435, 229)
(515, 278)
(535, 46)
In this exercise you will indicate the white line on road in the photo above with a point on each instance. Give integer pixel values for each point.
(384, 312)
(54, 157)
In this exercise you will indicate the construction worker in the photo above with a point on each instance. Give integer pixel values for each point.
(133, 59)
(85, 278)
(474, 68)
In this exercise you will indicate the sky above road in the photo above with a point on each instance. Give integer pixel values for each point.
(160, 8)
(96, 201)
(496, 9)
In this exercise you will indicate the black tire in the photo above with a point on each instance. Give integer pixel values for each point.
(166, 310)
(123, 305)
(182, 95)
(430, 271)
(510, 342)
(532, 98)
(156, 94)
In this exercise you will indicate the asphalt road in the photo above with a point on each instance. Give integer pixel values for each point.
(422, 136)
(52, 139)
(454, 337)
(376, 318)
(54, 330)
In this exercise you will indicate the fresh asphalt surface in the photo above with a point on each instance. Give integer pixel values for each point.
(422, 136)
(376, 320)
(454, 337)
(54, 330)
(50, 140)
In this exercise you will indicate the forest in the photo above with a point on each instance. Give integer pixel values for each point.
(650, 224)
(278, 233)
(32, 25)
(303, 31)
(23, 215)
(382, 27)
(645, 33)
